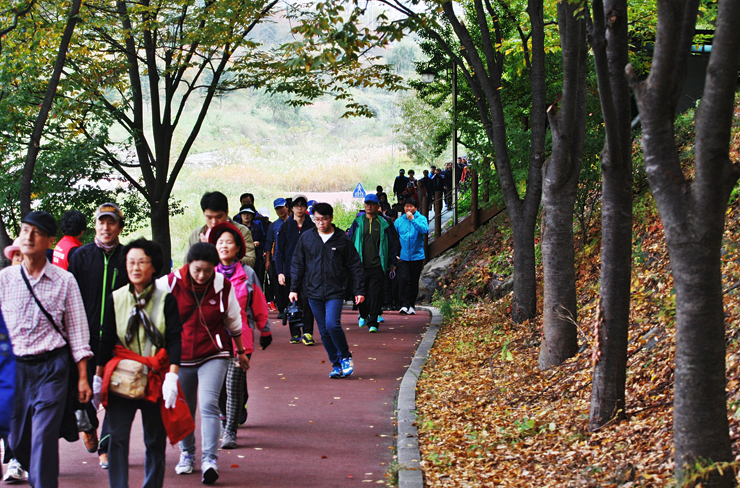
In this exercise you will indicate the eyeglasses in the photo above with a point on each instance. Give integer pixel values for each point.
(142, 263)
(321, 219)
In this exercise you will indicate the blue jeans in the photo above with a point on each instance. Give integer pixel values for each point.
(202, 385)
(328, 315)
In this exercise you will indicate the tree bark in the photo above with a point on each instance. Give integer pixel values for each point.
(38, 129)
(483, 75)
(160, 220)
(559, 188)
(693, 214)
(609, 39)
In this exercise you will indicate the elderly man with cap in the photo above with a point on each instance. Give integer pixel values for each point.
(44, 313)
(287, 239)
(99, 268)
(279, 291)
(376, 241)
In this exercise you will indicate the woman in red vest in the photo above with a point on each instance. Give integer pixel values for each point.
(73, 226)
(211, 318)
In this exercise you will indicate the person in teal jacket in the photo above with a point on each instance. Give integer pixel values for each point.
(411, 228)
(376, 242)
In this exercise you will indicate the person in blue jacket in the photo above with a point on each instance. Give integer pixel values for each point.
(411, 228)
(7, 379)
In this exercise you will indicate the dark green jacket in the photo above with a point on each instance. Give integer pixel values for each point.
(389, 246)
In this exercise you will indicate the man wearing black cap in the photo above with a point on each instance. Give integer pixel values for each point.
(43, 310)
(99, 268)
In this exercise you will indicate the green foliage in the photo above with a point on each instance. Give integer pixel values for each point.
(344, 215)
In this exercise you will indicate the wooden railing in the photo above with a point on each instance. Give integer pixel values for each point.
(442, 241)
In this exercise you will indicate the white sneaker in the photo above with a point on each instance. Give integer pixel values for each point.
(15, 473)
(210, 471)
(185, 466)
(411, 311)
(403, 311)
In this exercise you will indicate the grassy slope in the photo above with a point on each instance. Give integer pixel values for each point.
(489, 417)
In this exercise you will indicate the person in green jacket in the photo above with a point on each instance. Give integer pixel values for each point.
(376, 242)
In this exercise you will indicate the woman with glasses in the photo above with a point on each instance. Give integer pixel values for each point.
(141, 320)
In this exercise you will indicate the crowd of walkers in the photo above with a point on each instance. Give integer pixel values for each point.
(433, 180)
(104, 326)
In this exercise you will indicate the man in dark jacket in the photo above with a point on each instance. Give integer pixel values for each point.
(99, 268)
(399, 185)
(287, 239)
(323, 257)
(376, 241)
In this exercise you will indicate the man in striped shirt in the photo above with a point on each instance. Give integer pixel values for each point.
(43, 366)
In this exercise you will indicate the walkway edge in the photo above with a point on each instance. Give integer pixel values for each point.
(407, 441)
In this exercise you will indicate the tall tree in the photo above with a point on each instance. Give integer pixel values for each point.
(693, 214)
(560, 186)
(478, 54)
(34, 143)
(608, 36)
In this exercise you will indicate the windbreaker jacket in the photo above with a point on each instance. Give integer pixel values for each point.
(7, 379)
(97, 276)
(205, 332)
(389, 246)
(253, 305)
(321, 267)
(411, 235)
(287, 239)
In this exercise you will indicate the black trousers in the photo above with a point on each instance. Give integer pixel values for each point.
(307, 313)
(120, 415)
(279, 292)
(409, 273)
(40, 398)
(374, 287)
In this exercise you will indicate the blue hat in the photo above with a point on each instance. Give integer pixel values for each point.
(279, 202)
(371, 198)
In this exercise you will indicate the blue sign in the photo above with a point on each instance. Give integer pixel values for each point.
(359, 191)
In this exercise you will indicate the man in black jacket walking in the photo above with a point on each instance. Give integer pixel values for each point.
(287, 240)
(99, 268)
(323, 257)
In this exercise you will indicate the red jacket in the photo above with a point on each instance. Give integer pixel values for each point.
(61, 251)
(207, 327)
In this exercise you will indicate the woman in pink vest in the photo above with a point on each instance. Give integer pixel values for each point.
(211, 318)
(230, 246)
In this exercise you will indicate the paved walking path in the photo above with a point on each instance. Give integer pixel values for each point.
(304, 429)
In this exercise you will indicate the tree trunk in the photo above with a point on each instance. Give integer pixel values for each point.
(559, 187)
(610, 43)
(5, 241)
(693, 214)
(160, 220)
(34, 144)
(524, 304)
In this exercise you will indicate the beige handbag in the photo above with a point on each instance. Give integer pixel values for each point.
(129, 379)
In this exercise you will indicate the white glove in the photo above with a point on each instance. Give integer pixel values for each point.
(97, 387)
(169, 390)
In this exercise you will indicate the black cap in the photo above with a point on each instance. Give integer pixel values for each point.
(42, 220)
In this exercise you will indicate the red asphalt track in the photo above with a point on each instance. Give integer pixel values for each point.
(304, 429)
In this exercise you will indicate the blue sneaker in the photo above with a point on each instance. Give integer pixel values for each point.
(348, 366)
(361, 322)
(381, 319)
(336, 372)
(373, 329)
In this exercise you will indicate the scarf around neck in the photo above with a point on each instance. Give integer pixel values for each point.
(227, 269)
(140, 317)
(108, 250)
